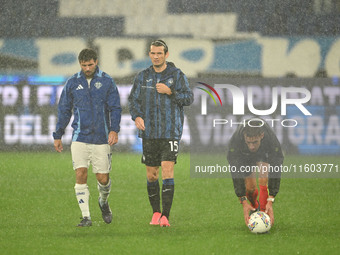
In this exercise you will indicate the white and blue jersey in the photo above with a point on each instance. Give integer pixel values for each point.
(163, 115)
(95, 106)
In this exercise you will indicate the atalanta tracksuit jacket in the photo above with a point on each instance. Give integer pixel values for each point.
(162, 114)
(96, 108)
(268, 152)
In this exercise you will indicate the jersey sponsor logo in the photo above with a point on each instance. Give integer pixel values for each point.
(147, 87)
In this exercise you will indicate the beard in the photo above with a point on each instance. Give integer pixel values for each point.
(89, 74)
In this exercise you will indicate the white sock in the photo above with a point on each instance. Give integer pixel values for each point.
(83, 195)
(104, 192)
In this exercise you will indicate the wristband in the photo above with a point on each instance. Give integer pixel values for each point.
(271, 199)
(244, 198)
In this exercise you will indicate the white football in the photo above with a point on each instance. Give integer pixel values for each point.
(259, 222)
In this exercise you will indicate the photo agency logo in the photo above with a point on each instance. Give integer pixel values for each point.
(208, 92)
(280, 97)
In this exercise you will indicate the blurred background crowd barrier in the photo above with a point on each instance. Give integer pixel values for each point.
(274, 43)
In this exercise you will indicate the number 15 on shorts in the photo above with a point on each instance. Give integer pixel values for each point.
(173, 145)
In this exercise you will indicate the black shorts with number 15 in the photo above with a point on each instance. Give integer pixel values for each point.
(157, 150)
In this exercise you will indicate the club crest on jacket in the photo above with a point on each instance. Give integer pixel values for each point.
(98, 85)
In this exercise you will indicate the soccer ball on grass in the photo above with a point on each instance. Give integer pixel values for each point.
(259, 222)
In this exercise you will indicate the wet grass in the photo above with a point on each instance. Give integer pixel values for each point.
(38, 212)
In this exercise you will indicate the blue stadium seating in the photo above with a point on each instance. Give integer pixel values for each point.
(40, 18)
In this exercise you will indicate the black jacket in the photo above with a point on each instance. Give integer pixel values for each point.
(269, 152)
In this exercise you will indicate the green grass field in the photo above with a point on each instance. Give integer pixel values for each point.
(38, 212)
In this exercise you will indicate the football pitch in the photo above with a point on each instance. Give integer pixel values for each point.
(39, 212)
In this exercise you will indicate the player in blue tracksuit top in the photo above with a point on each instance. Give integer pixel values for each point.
(156, 105)
(92, 97)
(96, 108)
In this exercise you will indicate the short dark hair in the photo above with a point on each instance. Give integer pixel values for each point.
(87, 55)
(253, 128)
(160, 43)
